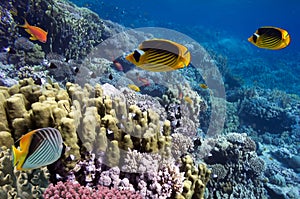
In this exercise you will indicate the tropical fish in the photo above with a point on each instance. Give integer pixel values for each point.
(118, 65)
(269, 37)
(160, 55)
(38, 148)
(188, 99)
(180, 95)
(134, 87)
(204, 86)
(143, 80)
(35, 32)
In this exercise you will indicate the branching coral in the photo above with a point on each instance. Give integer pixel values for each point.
(73, 190)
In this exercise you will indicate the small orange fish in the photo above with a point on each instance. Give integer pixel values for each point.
(145, 81)
(118, 65)
(204, 86)
(180, 95)
(35, 32)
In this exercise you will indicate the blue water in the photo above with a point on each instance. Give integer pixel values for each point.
(239, 18)
(223, 26)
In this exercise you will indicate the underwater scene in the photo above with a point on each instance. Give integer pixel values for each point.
(152, 99)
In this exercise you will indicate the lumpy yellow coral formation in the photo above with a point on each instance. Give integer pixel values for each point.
(29, 106)
(195, 179)
(99, 121)
(91, 121)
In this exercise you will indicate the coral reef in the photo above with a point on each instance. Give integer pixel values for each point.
(152, 144)
(96, 150)
(76, 29)
(132, 137)
(19, 184)
(72, 33)
(282, 182)
(196, 179)
(73, 190)
(266, 111)
(237, 171)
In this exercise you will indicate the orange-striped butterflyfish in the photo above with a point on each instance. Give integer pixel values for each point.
(38, 148)
(35, 32)
(160, 55)
(269, 37)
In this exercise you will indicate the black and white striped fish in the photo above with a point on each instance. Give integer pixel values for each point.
(38, 148)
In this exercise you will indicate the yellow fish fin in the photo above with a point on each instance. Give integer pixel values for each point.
(25, 25)
(33, 38)
(16, 155)
(28, 31)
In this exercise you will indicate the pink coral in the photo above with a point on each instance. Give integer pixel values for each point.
(73, 190)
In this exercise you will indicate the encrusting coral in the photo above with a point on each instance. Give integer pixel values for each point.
(237, 171)
(19, 184)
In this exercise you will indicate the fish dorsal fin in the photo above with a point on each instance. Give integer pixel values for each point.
(160, 44)
(267, 31)
(25, 25)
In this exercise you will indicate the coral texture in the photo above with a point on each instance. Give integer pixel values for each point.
(73, 190)
(96, 150)
(18, 184)
(237, 171)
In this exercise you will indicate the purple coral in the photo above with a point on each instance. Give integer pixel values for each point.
(73, 190)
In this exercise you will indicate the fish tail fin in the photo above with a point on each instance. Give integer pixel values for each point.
(16, 154)
(25, 25)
